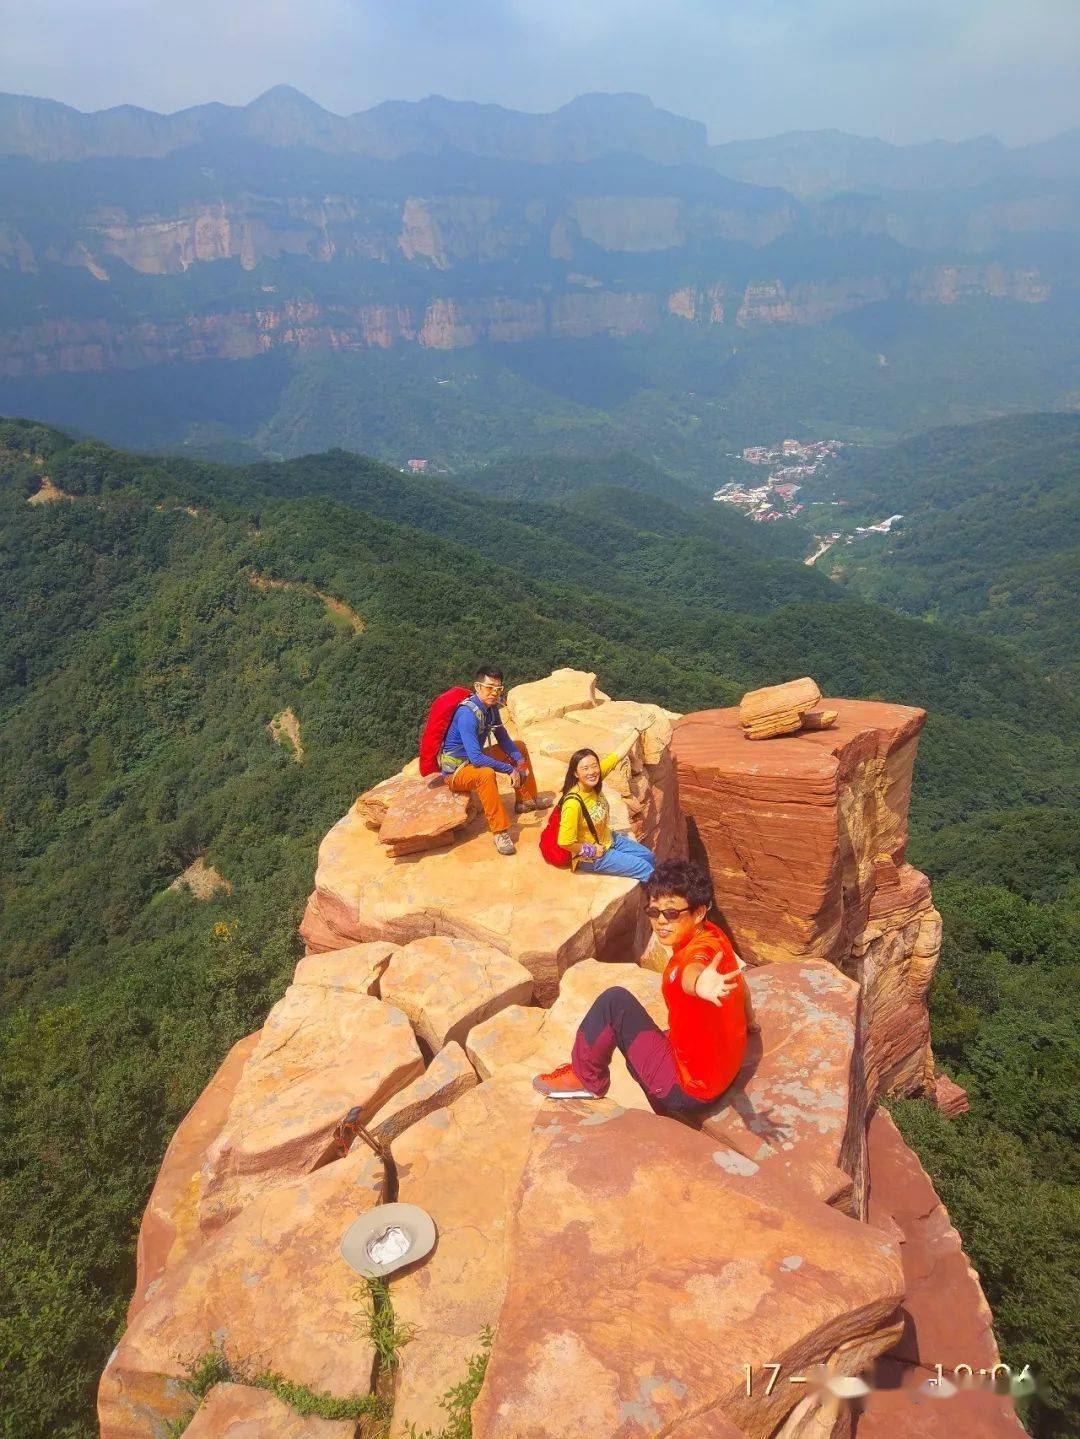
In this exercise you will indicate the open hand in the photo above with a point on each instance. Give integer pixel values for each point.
(712, 985)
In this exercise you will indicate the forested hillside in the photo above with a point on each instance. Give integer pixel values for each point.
(144, 653)
(990, 536)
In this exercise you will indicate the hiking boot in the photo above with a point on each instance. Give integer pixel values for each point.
(522, 806)
(503, 842)
(562, 1083)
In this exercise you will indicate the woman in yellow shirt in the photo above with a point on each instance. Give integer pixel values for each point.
(595, 849)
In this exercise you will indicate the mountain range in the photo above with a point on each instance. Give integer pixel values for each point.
(611, 277)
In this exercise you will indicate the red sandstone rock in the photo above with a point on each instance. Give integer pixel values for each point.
(446, 986)
(356, 968)
(170, 1224)
(421, 814)
(544, 918)
(643, 1277)
(321, 1051)
(946, 1318)
(318, 936)
(446, 1078)
(508, 1037)
(949, 1097)
(799, 1104)
(777, 709)
(463, 1166)
(805, 837)
(270, 1289)
(237, 1411)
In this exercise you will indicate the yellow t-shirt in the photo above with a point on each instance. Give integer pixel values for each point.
(572, 826)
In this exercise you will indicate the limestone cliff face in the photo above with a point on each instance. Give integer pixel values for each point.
(72, 345)
(434, 987)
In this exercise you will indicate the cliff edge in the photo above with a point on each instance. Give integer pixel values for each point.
(641, 1277)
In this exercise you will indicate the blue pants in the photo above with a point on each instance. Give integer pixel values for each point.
(625, 857)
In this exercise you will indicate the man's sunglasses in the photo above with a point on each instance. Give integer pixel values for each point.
(669, 914)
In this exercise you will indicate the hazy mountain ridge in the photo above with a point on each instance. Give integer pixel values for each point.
(590, 126)
(278, 232)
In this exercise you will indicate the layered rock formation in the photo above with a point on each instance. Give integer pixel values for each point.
(526, 909)
(640, 1275)
(805, 837)
(241, 330)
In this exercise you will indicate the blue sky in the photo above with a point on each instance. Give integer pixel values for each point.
(905, 70)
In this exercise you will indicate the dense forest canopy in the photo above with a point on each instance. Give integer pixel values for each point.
(990, 535)
(141, 665)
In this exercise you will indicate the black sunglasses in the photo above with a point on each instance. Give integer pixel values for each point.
(668, 914)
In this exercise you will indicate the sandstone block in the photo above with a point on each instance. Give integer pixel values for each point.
(544, 918)
(558, 694)
(237, 1411)
(462, 1165)
(270, 1289)
(318, 936)
(820, 719)
(616, 1247)
(170, 1224)
(421, 813)
(506, 1038)
(356, 968)
(446, 986)
(446, 1078)
(805, 840)
(949, 1097)
(798, 1102)
(777, 709)
(321, 1051)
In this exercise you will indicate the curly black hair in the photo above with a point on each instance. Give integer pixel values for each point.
(683, 878)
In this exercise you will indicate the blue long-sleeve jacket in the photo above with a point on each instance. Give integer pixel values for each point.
(468, 733)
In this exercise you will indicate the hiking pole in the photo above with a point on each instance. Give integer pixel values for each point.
(349, 1130)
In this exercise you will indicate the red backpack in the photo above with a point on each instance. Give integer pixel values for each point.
(442, 711)
(550, 847)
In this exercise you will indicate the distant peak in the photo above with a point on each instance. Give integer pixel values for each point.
(279, 94)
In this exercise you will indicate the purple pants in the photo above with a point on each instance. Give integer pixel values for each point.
(616, 1020)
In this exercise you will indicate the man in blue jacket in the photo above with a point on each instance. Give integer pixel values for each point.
(471, 764)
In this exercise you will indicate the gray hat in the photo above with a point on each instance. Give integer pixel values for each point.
(388, 1237)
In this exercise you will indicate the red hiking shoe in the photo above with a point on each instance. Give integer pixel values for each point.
(562, 1083)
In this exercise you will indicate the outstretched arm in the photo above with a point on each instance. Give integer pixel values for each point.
(707, 981)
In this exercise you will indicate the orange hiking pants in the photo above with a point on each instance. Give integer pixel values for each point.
(479, 779)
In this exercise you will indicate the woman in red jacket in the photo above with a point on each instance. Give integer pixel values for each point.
(685, 1068)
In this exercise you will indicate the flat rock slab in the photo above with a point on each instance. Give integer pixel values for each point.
(508, 1037)
(644, 1276)
(170, 1224)
(446, 1078)
(238, 1411)
(270, 1289)
(321, 1051)
(552, 697)
(546, 919)
(356, 968)
(463, 1165)
(446, 986)
(796, 1101)
(793, 829)
(946, 1317)
(423, 814)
